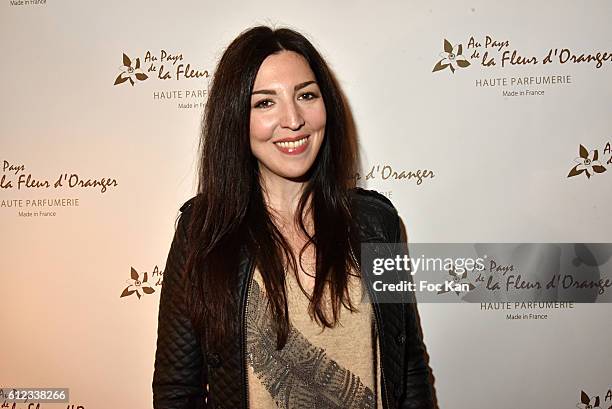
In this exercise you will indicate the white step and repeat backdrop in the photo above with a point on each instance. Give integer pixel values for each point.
(472, 118)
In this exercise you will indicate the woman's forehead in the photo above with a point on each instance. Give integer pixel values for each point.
(286, 68)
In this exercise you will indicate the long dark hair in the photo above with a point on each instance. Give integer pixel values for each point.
(229, 217)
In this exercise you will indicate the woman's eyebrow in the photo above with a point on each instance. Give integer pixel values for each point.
(264, 91)
(303, 84)
(272, 92)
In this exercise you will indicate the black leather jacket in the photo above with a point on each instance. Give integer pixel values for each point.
(188, 376)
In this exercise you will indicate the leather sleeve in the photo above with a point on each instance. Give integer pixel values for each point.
(179, 378)
(418, 388)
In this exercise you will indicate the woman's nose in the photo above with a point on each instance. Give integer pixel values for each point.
(292, 117)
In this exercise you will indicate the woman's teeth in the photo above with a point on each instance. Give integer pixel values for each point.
(292, 144)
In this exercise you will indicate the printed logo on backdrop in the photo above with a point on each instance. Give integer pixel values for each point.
(387, 176)
(487, 53)
(142, 283)
(594, 402)
(165, 68)
(589, 163)
(129, 73)
(452, 58)
(579, 269)
(54, 193)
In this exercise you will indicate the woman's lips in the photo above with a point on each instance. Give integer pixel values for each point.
(293, 147)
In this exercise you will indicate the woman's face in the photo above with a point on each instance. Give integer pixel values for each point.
(287, 123)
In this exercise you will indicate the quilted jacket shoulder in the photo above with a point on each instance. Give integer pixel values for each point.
(188, 205)
(376, 216)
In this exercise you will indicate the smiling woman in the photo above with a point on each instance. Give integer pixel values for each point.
(260, 302)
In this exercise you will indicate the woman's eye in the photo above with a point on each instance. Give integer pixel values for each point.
(265, 103)
(308, 95)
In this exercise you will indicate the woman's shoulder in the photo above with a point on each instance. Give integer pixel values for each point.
(188, 205)
(365, 199)
(184, 215)
(375, 213)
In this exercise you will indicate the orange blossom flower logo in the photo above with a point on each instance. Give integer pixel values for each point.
(451, 58)
(137, 286)
(129, 73)
(588, 163)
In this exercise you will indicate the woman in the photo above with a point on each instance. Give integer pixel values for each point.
(259, 306)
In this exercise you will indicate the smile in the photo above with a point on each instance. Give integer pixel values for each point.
(293, 147)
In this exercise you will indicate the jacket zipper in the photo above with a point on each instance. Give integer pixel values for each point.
(377, 319)
(245, 302)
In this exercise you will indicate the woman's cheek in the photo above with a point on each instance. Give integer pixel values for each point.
(262, 127)
(318, 116)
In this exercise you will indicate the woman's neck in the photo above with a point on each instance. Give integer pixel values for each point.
(282, 197)
(281, 194)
